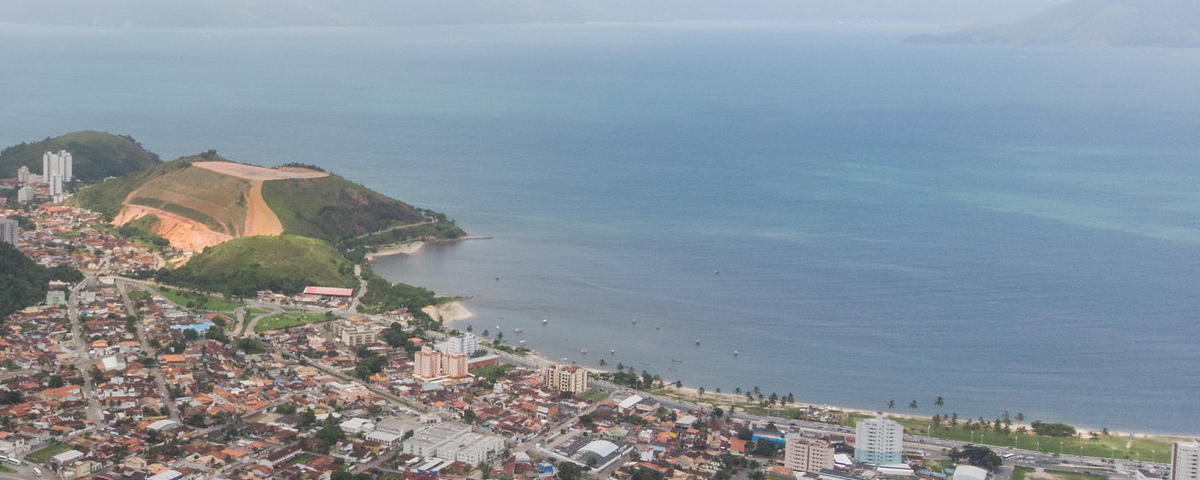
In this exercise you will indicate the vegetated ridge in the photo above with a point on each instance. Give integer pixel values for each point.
(1117, 23)
(94, 155)
(283, 263)
(205, 200)
(25, 281)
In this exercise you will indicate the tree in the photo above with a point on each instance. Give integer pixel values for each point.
(700, 391)
(978, 456)
(55, 381)
(569, 471)
(744, 433)
(468, 416)
(330, 434)
(891, 404)
(285, 409)
(1020, 417)
(307, 418)
(912, 404)
(939, 403)
(10, 397)
(643, 473)
(766, 448)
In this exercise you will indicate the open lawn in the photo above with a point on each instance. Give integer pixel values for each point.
(196, 300)
(302, 459)
(290, 320)
(595, 396)
(43, 456)
(258, 311)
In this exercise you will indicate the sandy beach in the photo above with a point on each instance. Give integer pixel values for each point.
(403, 248)
(448, 312)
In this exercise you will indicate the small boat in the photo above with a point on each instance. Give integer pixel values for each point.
(735, 353)
(656, 327)
(635, 321)
(716, 272)
(612, 352)
(676, 360)
(517, 330)
(544, 321)
(697, 342)
(497, 327)
(671, 369)
(522, 343)
(583, 351)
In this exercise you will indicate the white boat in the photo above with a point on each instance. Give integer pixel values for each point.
(612, 352)
(517, 330)
(544, 321)
(735, 353)
(583, 351)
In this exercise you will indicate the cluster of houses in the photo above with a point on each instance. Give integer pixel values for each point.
(70, 236)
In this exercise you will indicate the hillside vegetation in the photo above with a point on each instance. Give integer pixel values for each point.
(216, 200)
(25, 281)
(333, 208)
(243, 266)
(94, 155)
(109, 196)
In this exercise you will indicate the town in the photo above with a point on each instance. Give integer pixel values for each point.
(118, 377)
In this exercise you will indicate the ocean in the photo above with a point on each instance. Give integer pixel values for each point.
(1010, 228)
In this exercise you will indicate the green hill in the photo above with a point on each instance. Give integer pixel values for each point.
(109, 196)
(334, 209)
(94, 155)
(243, 266)
(23, 281)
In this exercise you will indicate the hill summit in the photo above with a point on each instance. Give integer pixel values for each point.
(202, 201)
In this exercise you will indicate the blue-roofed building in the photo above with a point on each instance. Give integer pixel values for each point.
(769, 435)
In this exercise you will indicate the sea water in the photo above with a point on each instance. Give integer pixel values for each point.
(1011, 228)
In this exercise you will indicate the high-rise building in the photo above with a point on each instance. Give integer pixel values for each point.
(1185, 461)
(25, 194)
(57, 164)
(8, 231)
(465, 344)
(567, 378)
(56, 185)
(804, 455)
(454, 365)
(427, 363)
(23, 174)
(879, 441)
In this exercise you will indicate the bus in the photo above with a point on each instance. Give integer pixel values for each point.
(10, 460)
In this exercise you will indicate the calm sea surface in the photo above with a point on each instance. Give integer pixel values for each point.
(1010, 228)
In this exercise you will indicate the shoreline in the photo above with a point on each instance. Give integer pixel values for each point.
(395, 249)
(448, 312)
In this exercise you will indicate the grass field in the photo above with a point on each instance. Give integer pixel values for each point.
(196, 300)
(43, 456)
(258, 311)
(288, 320)
(1112, 446)
(302, 459)
(595, 396)
(1019, 473)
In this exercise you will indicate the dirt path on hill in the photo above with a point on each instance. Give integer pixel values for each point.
(260, 219)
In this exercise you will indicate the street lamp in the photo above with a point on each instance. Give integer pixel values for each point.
(1060, 447)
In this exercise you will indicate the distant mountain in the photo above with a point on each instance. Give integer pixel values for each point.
(1117, 23)
(360, 13)
(94, 155)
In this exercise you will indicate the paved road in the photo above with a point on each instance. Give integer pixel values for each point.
(160, 380)
(83, 359)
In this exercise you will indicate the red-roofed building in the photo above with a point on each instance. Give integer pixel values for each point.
(329, 291)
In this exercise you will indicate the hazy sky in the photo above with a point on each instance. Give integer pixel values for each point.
(240, 13)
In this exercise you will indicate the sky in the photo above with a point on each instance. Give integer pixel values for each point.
(275, 13)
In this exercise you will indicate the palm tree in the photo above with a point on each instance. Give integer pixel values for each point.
(939, 402)
(913, 405)
(700, 391)
(891, 404)
(737, 390)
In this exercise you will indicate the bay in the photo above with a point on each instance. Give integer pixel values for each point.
(1012, 228)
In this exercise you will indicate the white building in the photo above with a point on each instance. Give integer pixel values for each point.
(878, 441)
(57, 164)
(25, 195)
(465, 344)
(56, 185)
(8, 231)
(1185, 461)
(471, 448)
(426, 443)
(23, 174)
(969, 472)
(804, 455)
